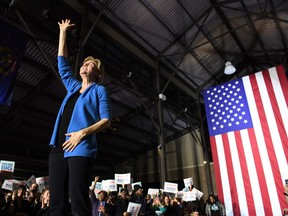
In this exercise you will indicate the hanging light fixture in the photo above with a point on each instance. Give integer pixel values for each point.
(229, 68)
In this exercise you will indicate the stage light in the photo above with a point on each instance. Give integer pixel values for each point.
(229, 68)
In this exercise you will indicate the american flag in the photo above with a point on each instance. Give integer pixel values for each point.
(248, 124)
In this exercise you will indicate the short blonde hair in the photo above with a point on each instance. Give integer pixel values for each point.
(100, 67)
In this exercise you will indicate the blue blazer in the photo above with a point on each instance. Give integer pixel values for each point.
(91, 106)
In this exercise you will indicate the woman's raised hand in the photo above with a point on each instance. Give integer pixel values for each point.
(65, 24)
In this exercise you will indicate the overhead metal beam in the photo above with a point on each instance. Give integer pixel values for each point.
(228, 24)
(184, 31)
(253, 26)
(150, 9)
(200, 27)
(96, 21)
(280, 30)
(143, 103)
(37, 45)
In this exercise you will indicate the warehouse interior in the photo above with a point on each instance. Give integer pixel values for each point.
(159, 55)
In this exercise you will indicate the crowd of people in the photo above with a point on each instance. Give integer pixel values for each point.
(29, 201)
(25, 201)
(162, 204)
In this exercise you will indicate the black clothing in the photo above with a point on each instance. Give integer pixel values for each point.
(43, 212)
(35, 207)
(64, 122)
(215, 210)
(121, 206)
(21, 206)
(78, 184)
(141, 200)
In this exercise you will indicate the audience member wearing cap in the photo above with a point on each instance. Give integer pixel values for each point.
(137, 189)
(121, 203)
(137, 197)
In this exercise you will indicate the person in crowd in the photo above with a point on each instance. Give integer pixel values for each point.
(149, 199)
(157, 206)
(100, 206)
(196, 213)
(5, 205)
(18, 204)
(286, 192)
(149, 208)
(121, 203)
(2, 200)
(34, 198)
(285, 210)
(84, 112)
(137, 197)
(45, 204)
(175, 207)
(112, 197)
(214, 207)
(170, 209)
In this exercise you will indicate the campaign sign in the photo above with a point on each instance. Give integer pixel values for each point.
(109, 185)
(159, 213)
(136, 183)
(180, 194)
(31, 181)
(188, 182)
(170, 187)
(133, 208)
(129, 186)
(153, 191)
(7, 166)
(197, 193)
(43, 183)
(101, 206)
(8, 184)
(98, 187)
(12, 184)
(123, 179)
(16, 183)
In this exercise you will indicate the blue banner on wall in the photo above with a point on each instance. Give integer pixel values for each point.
(12, 46)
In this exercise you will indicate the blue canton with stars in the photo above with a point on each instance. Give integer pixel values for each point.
(227, 108)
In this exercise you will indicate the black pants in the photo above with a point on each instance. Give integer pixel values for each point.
(69, 176)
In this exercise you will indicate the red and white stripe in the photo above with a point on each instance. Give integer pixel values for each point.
(251, 164)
